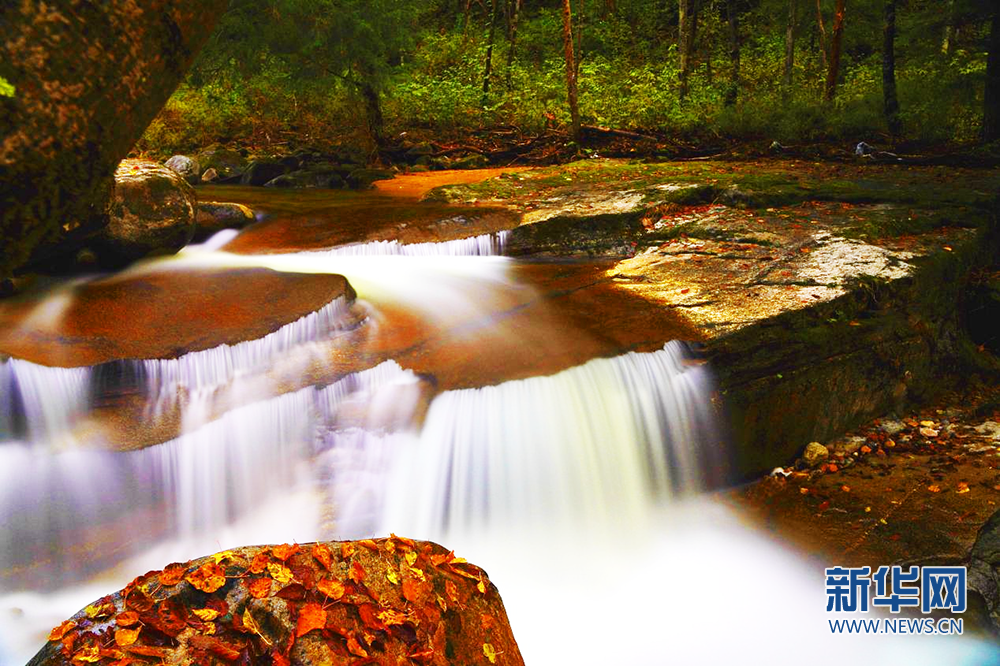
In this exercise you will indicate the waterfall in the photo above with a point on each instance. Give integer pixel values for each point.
(486, 245)
(51, 400)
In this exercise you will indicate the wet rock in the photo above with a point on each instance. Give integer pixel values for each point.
(471, 162)
(984, 572)
(308, 179)
(815, 454)
(990, 429)
(153, 213)
(214, 216)
(385, 600)
(209, 176)
(891, 426)
(88, 78)
(226, 163)
(188, 167)
(362, 179)
(260, 172)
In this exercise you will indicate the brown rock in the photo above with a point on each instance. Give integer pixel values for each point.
(214, 216)
(389, 601)
(152, 213)
(88, 78)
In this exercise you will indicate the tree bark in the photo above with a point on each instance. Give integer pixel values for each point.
(732, 95)
(790, 42)
(88, 78)
(685, 43)
(373, 113)
(571, 88)
(821, 26)
(889, 68)
(949, 29)
(836, 40)
(488, 74)
(512, 39)
(991, 110)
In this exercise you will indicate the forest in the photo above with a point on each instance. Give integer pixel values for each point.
(699, 75)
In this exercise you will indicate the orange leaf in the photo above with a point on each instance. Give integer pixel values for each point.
(355, 648)
(322, 553)
(312, 616)
(391, 617)
(357, 572)
(824, 506)
(963, 487)
(346, 549)
(331, 588)
(88, 655)
(280, 573)
(60, 631)
(125, 637)
(934, 488)
(208, 577)
(259, 563)
(173, 574)
(369, 544)
(252, 625)
(260, 587)
(411, 590)
(205, 614)
(127, 618)
(284, 551)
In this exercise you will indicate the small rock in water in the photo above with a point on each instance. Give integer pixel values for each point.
(815, 454)
(187, 167)
(891, 427)
(989, 428)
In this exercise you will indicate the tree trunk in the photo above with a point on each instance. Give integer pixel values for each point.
(685, 43)
(949, 29)
(732, 95)
(571, 91)
(889, 68)
(488, 74)
(821, 26)
(373, 113)
(512, 39)
(790, 42)
(836, 40)
(991, 110)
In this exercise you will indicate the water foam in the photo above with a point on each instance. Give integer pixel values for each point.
(485, 245)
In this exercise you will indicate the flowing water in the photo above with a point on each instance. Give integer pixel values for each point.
(423, 409)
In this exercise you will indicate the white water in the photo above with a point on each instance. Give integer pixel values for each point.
(51, 400)
(486, 245)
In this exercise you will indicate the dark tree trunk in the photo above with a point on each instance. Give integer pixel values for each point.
(889, 68)
(732, 95)
(824, 50)
(685, 45)
(836, 41)
(991, 110)
(515, 15)
(488, 74)
(949, 29)
(88, 79)
(571, 88)
(790, 42)
(373, 113)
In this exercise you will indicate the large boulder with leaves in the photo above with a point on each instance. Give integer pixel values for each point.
(79, 83)
(382, 601)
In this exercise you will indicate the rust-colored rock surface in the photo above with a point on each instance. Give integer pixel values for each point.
(88, 78)
(382, 601)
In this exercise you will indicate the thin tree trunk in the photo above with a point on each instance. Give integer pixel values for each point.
(991, 110)
(733, 94)
(889, 68)
(574, 108)
(949, 29)
(836, 40)
(488, 74)
(512, 38)
(373, 113)
(790, 42)
(823, 48)
(685, 19)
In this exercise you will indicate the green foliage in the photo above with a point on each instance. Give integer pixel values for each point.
(6, 88)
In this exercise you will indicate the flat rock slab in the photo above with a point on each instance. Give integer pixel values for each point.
(158, 313)
(375, 601)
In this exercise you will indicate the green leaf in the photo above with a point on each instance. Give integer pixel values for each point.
(6, 88)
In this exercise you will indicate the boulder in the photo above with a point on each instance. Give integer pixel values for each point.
(209, 176)
(214, 216)
(188, 167)
(308, 179)
(385, 601)
(152, 213)
(362, 179)
(815, 454)
(228, 164)
(260, 172)
(88, 78)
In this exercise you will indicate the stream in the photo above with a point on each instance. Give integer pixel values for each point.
(544, 424)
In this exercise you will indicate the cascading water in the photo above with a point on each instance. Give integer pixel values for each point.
(49, 399)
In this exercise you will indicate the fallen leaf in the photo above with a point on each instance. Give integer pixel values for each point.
(392, 617)
(89, 655)
(355, 648)
(284, 551)
(411, 590)
(490, 652)
(845, 489)
(346, 549)
(252, 625)
(311, 616)
(334, 589)
(173, 574)
(824, 506)
(60, 631)
(963, 487)
(209, 577)
(928, 432)
(324, 555)
(280, 573)
(259, 563)
(127, 618)
(392, 577)
(804, 491)
(126, 637)
(357, 572)
(205, 614)
(934, 488)
(927, 424)
(411, 558)
(260, 587)
(369, 544)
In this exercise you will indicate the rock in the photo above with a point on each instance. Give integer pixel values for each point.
(152, 213)
(852, 444)
(260, 172)
(984, 573)
(87, 78)
(309, 604)
(291, 161)
(227, 163)
(308, 179)
(188, 167)
(362, 179)
(990, 429)
(420, 150)
(892, 426)
(471, 162)
(815, 454)
(209, 176)
(214, 216)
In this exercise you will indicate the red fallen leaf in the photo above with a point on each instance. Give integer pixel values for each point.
(259, 587)
(370, 618)
(101, 609)
(284, 551)
(409, 542)
(293, 592)
(425, 654)
(323, 554)
(149, 651)
(824, 506)
(866, 449)
(355, 648)
(126, 637)
(278, 659)
(214, 646)
(684, 291)
(171, 618)
(451, 590)
(369, 544)
(68, 641)
(259, 563)
(412, 590)
(357, 572)
(208, 577)
(311, 616)
(60, 631)
(334, 589)
(127, 618)
(173, 574)
(304, 575)
(346, 550)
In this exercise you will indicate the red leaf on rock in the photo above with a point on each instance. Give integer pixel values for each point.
(284, 551)
(208, 577)
(323, 554)
(173, 574)
(311, 616)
